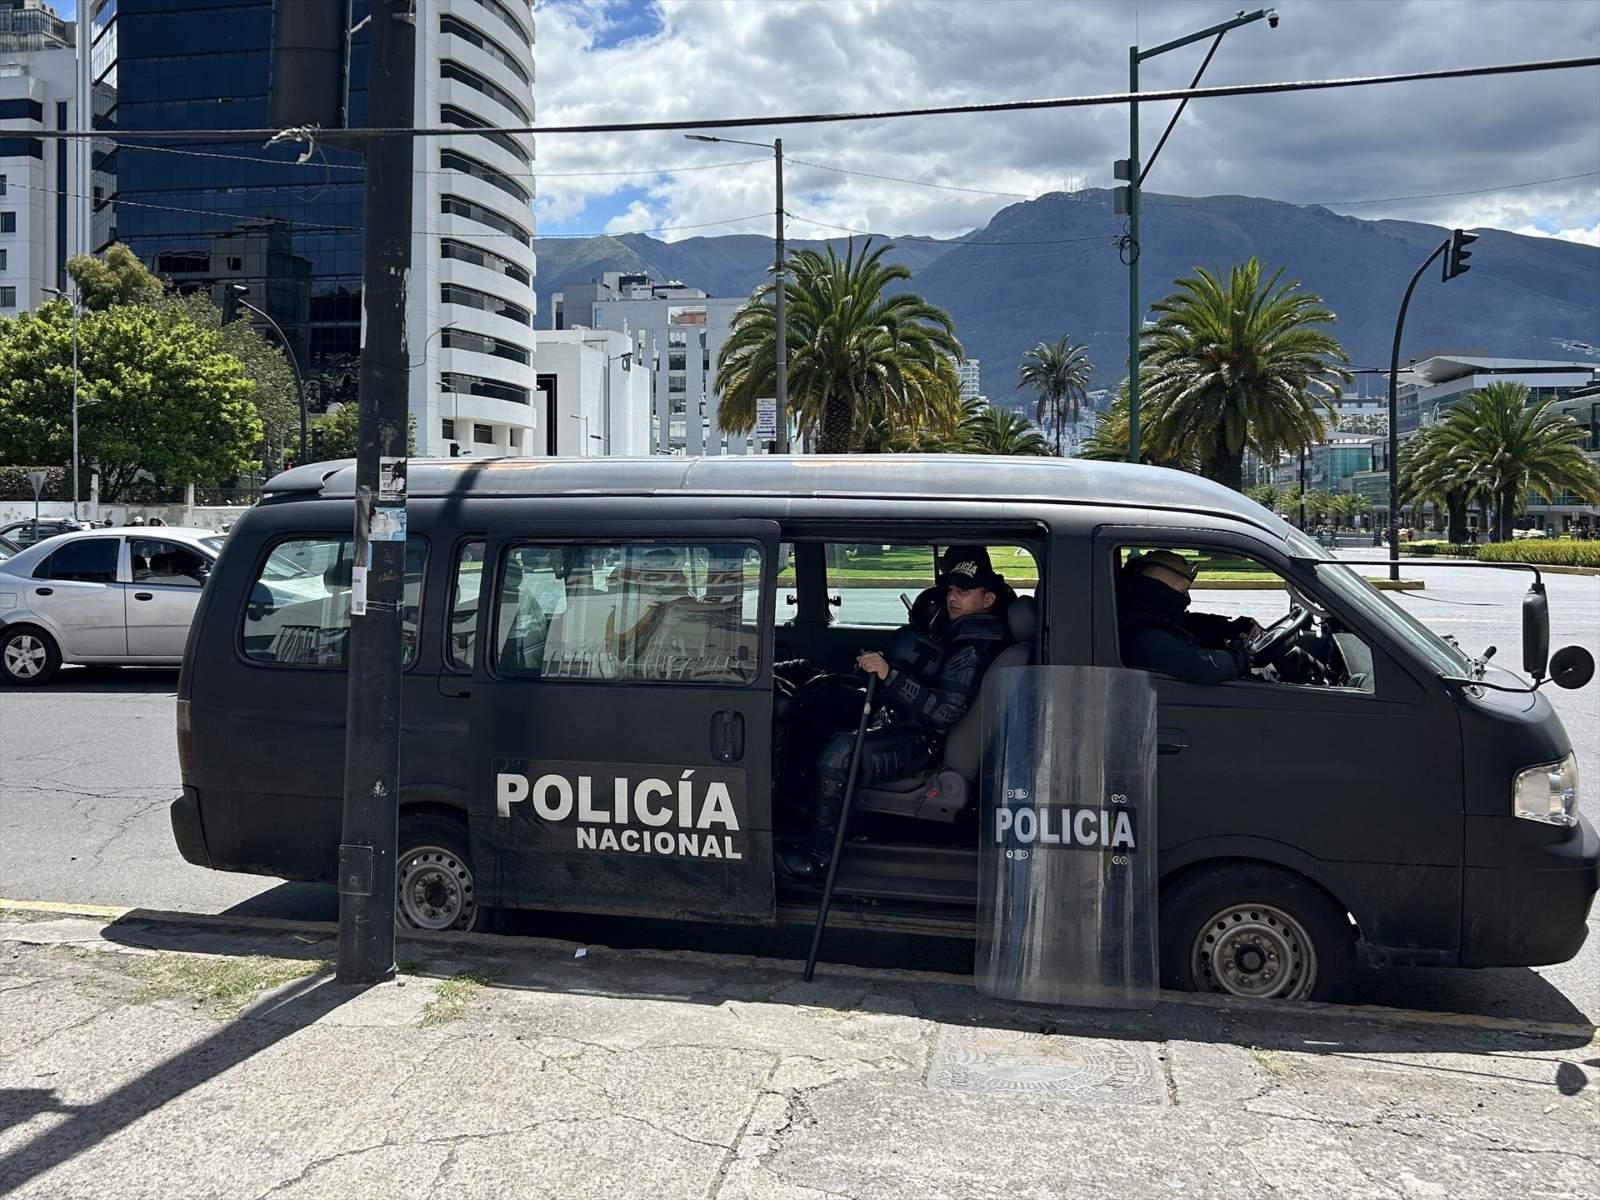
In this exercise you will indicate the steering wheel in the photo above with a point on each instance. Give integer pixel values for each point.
(1272, 640)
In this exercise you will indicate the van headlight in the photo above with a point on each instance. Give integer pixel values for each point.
(1548, 792)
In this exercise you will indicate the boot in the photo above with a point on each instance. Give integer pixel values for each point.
(802, 863)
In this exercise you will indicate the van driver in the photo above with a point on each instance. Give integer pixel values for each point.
(1159, 633)
(925, 694)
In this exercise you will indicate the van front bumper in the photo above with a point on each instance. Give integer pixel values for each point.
(187, 830)
(1525, 899)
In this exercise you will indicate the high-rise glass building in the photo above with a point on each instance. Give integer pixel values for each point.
(207, 215)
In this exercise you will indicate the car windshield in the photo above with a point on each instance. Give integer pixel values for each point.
(214, 544)
(1438, 653)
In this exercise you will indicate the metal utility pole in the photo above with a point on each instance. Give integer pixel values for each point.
(1128, 198)
(239, 293)
(368, 845)
(1456, 264)
(781, 404)
(77, 311)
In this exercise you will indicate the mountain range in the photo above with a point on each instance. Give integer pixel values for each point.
(1050, 266)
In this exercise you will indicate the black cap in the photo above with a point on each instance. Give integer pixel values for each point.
(968, 567)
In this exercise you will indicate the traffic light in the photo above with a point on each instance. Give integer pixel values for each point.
(1455, 262)
(316, 444)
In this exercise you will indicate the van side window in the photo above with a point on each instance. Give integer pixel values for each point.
(1232, 600)
(462, 636)
(85, 560)
(298, 614)
(866, 580)
(630, 612)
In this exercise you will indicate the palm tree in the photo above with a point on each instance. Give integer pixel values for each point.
(1108, 440)
(1000, 431)
(1510, 448)
(1432, 468)
(1058, 374)
(1239, 364)
(857, 356)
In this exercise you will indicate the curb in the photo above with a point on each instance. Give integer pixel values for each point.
(503, 942)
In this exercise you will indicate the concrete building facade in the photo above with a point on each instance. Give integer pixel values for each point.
(594, 395)
(40, 221)
(680, 331)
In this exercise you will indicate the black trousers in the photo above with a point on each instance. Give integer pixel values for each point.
(888, 753)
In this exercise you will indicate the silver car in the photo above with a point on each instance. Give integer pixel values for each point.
(115, 597)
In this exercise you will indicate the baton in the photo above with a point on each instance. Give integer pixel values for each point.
(844, 824)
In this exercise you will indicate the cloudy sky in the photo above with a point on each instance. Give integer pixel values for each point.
(629, 60)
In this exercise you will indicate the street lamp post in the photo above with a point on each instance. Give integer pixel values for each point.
(781, 403)
(239, 293)
(77, 309)
(1135, 175)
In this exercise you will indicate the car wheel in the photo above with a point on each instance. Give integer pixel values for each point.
(28, 656)
(1256, 931)
(434, 885)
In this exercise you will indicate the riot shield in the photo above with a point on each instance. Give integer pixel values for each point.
(1067, 888)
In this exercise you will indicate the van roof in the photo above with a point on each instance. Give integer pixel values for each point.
(881, 476)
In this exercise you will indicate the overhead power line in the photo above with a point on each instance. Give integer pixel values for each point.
(334, 137)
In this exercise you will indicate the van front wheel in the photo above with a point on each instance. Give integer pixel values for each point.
(434, 886)
(1252, 930)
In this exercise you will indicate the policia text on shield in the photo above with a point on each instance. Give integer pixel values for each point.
(609, 631)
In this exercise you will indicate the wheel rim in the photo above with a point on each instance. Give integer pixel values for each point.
(435, 890)
(1255, 950)
(25, 656)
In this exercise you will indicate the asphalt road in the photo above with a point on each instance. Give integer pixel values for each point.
(89, 765)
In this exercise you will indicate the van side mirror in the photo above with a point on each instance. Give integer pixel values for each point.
(1571, 667)
(1535, 631)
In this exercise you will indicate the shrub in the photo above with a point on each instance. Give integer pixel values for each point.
(14, 483)
(1555, 552)
(1445, 549)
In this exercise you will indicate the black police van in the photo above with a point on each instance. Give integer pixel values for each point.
(593, 721)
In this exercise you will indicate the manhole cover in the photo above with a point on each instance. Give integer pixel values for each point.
(1032, 1064)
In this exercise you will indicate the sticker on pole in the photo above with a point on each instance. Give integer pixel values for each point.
(358, 591)
(767, 420)
(391, 480)
(388, 523)
(37, 478)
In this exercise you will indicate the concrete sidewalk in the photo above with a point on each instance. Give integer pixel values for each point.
(165, 1058)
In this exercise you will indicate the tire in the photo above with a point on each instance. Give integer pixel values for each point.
(435, 888)
(1249, 929)
(28, 656)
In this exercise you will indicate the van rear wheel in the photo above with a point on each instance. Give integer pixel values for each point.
(1256, 931)
(434, 886)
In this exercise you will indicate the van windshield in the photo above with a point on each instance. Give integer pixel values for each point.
(1433, 649)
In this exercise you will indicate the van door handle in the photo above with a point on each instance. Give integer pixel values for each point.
(1171, 741)
(727, 736)
(143, 596)
(44, 591)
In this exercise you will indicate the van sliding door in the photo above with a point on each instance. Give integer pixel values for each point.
(621, 716)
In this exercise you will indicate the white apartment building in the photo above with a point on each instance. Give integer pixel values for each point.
(594, 395)
(472, 303)
(39, 178)
(971, 384)
(680, 331)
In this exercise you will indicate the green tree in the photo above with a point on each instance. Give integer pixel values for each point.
(339, 432)
(1274, 497)
(1108, 440)
(276, 400)
(1509, 448)
(994, 430)
(1058, 374)
(118, 277)
(1235, 364)
(157, 396)
(857, 355)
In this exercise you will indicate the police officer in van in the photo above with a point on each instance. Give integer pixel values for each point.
(1159, 633)
(927, 681)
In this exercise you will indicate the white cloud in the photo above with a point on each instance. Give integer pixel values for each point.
(712, 58)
